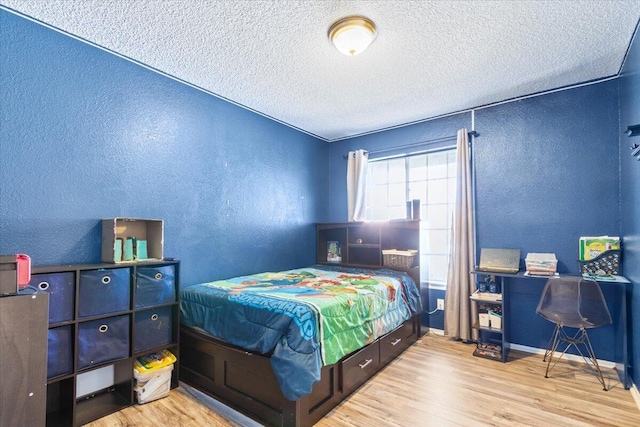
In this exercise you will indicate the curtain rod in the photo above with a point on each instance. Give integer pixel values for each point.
(413, 144)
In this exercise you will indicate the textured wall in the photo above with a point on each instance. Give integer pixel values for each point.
(630, 193)
(546, 174)
(86, 135)
(546, 171)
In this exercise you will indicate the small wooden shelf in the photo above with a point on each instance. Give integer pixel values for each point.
(489, 335)
(105, 403)
(476, 325)
(362, 243)
(375, 237)
(486, 300)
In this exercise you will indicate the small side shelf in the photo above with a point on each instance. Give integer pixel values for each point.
(476, 325)
(361, 243)
(493, 340)
(364, 245)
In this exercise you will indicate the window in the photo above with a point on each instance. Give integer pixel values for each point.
(429, 177)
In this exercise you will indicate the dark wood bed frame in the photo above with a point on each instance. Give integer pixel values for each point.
(244, 380)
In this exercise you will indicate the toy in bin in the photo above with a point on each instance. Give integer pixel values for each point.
(153, 375)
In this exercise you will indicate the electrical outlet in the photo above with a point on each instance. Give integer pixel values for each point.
(440, 304)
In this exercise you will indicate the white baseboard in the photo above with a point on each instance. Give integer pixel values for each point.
(607, 364)
(635, 393)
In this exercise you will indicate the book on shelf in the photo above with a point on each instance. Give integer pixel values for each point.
(486, 296)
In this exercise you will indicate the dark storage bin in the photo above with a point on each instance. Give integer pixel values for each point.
(61, 289)
(60, 351)
(103, 340)
(607, 263)
(152, 328)
(155, 285)
(104, 291)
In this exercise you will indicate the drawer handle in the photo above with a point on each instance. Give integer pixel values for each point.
(158, 276)
(154, 317)
(106, 280)
(396, 341)
(103, 328)
(364, 364)
(43, 286)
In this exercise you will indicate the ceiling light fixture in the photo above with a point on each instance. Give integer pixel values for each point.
(352, 35)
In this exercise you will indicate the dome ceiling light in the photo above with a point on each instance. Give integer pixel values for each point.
(352, 35)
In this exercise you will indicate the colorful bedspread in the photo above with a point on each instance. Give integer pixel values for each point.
(305, 317)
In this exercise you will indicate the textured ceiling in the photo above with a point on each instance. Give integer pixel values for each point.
(429, 58)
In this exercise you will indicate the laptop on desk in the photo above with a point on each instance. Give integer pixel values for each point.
(499, 260)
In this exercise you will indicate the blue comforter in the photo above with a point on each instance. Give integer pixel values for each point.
(304, 318)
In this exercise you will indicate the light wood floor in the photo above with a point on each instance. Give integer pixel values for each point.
(437, 382)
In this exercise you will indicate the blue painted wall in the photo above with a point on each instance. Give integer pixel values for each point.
(630, 193)
(546, 171)
(546, 174)
(86, 135)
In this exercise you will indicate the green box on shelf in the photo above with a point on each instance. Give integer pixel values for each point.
(120, 237)
(591, 247)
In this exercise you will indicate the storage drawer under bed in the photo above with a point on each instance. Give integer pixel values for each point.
(359, 367)
(395, 342)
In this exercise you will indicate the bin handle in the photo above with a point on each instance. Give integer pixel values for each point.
(154, 317)
(106, 280)
(103, 328)
(43, 286)
(158, 276)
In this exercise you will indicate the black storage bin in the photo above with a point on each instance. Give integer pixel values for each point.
(104, 291)
(61, 289)
(60, 351)
(152, 328)
(103, 340)
(155, 285)
(607, 263)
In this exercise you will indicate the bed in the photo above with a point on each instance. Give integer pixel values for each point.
(285, 348)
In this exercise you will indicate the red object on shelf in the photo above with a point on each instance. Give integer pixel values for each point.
(23, 267)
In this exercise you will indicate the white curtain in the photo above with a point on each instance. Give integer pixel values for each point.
(459, 312)
(356, 184)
